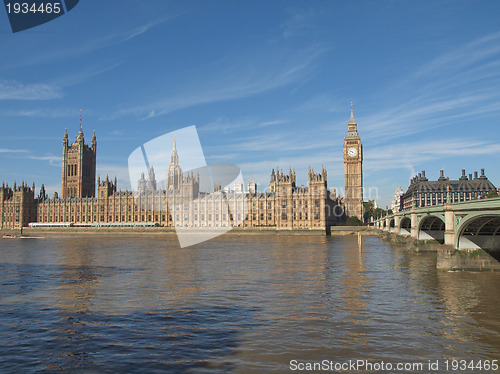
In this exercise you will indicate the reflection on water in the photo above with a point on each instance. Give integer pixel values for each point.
(234, 304)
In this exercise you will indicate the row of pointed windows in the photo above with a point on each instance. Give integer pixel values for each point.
(73, 170)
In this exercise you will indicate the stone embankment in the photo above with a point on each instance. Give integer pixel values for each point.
(448, 258)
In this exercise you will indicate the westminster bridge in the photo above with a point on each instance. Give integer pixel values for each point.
(473, 224)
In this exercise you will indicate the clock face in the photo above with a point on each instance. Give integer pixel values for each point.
(352, 152)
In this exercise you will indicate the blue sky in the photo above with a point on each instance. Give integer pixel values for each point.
(267, 83)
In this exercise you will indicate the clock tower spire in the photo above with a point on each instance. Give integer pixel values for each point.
(353, 170)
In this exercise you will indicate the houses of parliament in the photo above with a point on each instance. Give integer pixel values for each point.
(83, 202)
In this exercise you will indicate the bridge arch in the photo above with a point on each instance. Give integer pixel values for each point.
(405, 226)
(480, 231)
(432, 227)
(391, 224)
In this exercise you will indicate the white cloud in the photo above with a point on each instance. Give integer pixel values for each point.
(41, 112)
(419, 116)
(323, 102)
(407, 155)
(53, 160)
(5, 150)
(91, 42)
(456, 86)
(142, 29)
(463, 57)
(226, 125)
(286, 144)
(255, 77)
(298, 22)
(13, 90)
(76, 77)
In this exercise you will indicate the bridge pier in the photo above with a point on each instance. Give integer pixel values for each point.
(414, 224)
(396, 223)
(387, 223)
(449, 225)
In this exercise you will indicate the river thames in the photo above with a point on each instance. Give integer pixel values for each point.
(238, 304)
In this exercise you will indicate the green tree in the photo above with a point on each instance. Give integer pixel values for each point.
(369, 210)
(379, 212)
(491, 194)
(353, 221)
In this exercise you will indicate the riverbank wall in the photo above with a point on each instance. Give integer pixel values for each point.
(448, 258)
(65, 231)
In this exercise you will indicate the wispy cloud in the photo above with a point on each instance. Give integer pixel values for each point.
(248, 80)
(5, 150)
(286, 144)
(476, 51)
(419, 115)
(142, 29)
(454, 87)
(229, 156)
(298, 22)
(226, 125)
(14, 90)
(323, 102)
(118, 132)
(26, 154)
(76, 77)
(41, 113)
(405, 155)
(91, 42)
(53, 160)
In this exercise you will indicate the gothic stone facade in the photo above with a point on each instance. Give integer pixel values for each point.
(17, 205)
(286, 206)
(79, 167)
(353, 170)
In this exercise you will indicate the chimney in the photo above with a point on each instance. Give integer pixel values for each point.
(463, 177)
(475, 175)
(423, 173)
(470, 177)
(441, 175)
(482, 173)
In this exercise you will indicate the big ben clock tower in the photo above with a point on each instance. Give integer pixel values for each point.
(353, 170)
